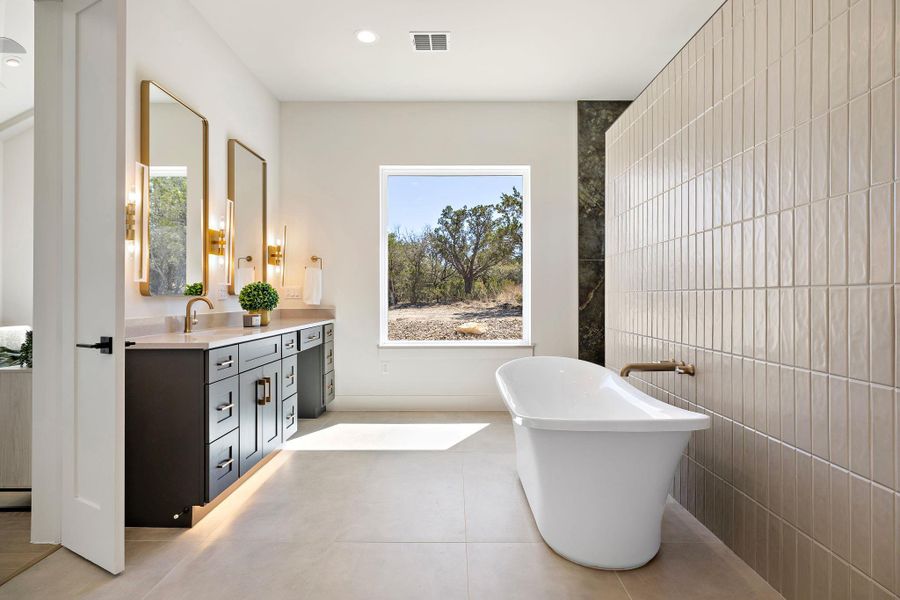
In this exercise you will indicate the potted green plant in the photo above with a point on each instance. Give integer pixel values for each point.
(259, 298)
(194, 289)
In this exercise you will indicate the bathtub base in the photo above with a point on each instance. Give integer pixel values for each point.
(601, 567)
(598, 497)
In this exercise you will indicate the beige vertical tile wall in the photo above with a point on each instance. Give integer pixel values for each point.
(751, 229)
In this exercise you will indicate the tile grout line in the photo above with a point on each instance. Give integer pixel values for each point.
(622, 583)
(462, 469)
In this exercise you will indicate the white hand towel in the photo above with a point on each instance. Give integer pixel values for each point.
(312, 286)
(243, 276)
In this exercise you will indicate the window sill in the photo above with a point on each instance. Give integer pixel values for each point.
(454, 344)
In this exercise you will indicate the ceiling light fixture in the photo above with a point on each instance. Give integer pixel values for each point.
(366, 37)
(12, 61)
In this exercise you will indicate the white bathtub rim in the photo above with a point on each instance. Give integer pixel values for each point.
(676, 419)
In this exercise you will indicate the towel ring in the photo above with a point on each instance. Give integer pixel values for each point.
(318, 259)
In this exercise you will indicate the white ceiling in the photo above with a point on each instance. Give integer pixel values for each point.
(17, 84)
(499, 49)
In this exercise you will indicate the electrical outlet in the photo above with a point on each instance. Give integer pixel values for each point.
(221, 292)
(293, 292)
(384, 368)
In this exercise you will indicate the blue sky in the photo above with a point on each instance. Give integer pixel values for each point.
(415, 201)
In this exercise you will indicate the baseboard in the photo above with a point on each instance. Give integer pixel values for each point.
(482, 403)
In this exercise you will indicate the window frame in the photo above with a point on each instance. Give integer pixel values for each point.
(385, 171)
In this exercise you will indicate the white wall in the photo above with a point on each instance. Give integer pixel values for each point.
(16, 228)
(170, 43)
(331, 153)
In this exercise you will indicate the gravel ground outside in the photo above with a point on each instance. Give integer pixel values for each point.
(439, 321)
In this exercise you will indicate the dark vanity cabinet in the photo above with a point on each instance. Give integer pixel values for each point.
(196, 421)
(315, 365)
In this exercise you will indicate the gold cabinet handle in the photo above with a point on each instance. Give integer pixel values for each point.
(224, 463)
(261, 384)
(225, 407)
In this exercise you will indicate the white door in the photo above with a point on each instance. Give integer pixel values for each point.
(88, 306)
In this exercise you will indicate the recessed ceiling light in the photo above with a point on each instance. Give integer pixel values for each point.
(13, 61)
(366, 36)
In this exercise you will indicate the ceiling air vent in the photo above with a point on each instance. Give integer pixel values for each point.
(429, 41)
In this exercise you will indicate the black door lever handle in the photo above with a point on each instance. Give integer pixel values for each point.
(105, 345)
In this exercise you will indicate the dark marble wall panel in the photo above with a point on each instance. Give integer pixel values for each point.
(594, 118)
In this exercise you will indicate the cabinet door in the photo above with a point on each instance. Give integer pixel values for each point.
(288, 418)
(270, 412)
(253, 390)
(289, 376)
(221, 408)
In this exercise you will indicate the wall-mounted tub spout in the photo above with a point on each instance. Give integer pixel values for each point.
(678, 366)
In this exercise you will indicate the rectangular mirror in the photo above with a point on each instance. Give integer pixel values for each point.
(174, 143)
(247, 202)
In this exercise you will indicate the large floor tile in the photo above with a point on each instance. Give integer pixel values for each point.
(240, 570)
(496, 507)
(391, 572)
(67, 575)
(696, 571)
(410, 497)
(678, 525)
(532, 571)
(496, 437)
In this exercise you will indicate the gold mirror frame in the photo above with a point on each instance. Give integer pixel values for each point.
(145, 159)
(232, 146)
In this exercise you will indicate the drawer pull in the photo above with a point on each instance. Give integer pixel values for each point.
(225, 463)
(330, 353)
(289, 345)
(225, 364)
(312, 336)
(225, 407)
(265, 384)
(291, 377)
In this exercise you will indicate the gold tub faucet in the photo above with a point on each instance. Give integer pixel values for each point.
(678, 366)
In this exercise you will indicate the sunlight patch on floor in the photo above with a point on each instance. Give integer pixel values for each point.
(386, 436)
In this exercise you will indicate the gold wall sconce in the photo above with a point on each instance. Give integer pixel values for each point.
(276, 255)
(137, 222)
(220, 239)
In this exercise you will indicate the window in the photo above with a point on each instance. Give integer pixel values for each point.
(455, 256)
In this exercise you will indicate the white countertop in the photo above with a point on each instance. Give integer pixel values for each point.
(205, 339)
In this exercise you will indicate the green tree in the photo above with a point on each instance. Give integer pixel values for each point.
(168, 235)
(475, 240)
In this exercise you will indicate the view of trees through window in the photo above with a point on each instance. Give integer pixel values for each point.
(455, 257)
(168, 234)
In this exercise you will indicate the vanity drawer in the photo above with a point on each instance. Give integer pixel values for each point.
(289, 417)
(329, 356)
(222, 408)
(329, 387)
(221, 464)
(329, 332)
(289, 376)
(310, 337)
(221, 363)
(289, 344)
(259, 352)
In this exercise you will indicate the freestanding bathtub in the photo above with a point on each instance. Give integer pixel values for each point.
(595, 457)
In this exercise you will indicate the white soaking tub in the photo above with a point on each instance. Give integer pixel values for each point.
(595, 457)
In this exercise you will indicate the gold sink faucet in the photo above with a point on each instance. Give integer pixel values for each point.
(678, 366)
(191, 320)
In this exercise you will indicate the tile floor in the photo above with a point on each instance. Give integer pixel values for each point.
(16, 553)
(332, 524)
